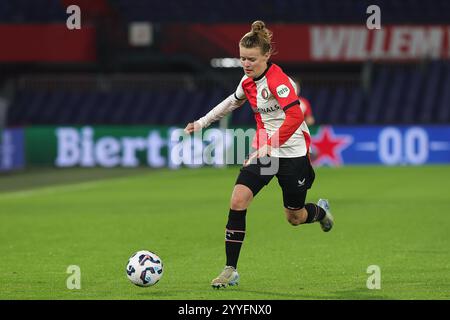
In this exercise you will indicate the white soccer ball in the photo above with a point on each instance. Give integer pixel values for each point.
(144, 268)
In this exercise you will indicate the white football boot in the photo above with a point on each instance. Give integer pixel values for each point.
(327, 222)
(228, 277)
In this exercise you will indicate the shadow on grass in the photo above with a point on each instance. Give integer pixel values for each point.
(34, 178)
(360, 294)
(357, 294)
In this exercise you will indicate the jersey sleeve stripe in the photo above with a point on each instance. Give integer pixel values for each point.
(296, 102)
(237, 97)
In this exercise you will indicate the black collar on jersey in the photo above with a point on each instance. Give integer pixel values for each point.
(269, 64)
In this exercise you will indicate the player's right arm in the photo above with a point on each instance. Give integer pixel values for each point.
(231, 103)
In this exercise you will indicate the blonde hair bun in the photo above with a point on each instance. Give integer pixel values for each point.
(258, 26)
(259, 37)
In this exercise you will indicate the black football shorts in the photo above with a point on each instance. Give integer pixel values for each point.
(295, 176)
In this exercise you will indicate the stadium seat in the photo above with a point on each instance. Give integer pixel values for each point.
(321, 106)
(413, 93)
(352, 111)
(390, 108)
(143, 109)
(337, 106)
(429, 98)
(444, 104)
(376, 97)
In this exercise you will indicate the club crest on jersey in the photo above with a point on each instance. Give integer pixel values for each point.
(265, 94)
(283, 91)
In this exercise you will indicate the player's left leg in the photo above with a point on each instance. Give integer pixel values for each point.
(295, 178)
(310, 213)
(328, 221)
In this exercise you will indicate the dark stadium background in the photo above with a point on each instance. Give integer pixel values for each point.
(136, 70)
(99, 75)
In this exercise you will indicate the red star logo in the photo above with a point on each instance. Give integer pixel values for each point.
(327, 146)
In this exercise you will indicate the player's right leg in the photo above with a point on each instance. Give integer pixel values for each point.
(228, 277)
(234, 236)
(248, 184)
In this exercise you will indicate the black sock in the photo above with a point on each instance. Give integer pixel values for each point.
(234, 235)
(315, 213)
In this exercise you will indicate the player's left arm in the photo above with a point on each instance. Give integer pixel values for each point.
(284, 92)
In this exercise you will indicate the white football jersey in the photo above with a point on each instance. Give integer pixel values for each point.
(270, 95)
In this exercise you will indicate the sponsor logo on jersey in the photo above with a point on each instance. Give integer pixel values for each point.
(283, 91)
(268, 109)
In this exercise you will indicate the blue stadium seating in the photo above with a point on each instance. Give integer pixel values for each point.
(430, 94)
(376, 99)
(353, 110)
(393, 99)
(443, 112)
(409, 105)
(32, 11)
(398, 95)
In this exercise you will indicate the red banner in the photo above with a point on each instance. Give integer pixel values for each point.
(46, 43)
(317, 43)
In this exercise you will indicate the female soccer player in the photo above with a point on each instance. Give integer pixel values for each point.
(282, 142)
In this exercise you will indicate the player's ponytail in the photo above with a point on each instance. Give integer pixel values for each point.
(258, 37)
(258, 26)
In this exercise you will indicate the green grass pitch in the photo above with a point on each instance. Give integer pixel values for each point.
(397, 218)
